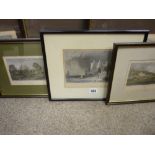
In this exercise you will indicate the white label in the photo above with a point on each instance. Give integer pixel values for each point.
(92, 90)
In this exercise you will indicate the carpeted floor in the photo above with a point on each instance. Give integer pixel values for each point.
(39, 116)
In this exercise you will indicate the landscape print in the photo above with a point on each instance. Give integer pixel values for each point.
(85, 66)
(141, 74)
(25, 69)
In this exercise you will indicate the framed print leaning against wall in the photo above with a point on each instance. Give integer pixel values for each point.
(76, 63)
(132, 76)
(22, 69)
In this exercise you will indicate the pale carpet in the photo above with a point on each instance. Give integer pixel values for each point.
(39, 116)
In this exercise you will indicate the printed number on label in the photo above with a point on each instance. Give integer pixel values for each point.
(93, 90)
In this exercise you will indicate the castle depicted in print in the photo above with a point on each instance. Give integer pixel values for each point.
(86, 66)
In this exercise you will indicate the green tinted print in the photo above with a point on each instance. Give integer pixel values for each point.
(21, 69)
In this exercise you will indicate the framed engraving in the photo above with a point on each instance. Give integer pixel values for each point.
(85, 67)
(77, 62)
(22, 69)
(141, 73)
(133, 73)
(25, 70)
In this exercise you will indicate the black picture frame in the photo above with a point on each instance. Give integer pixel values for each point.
(43, 32)
(112, 69)
(22, 40)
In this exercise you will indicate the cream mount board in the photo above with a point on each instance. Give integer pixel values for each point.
(77, 63)
(132, 73)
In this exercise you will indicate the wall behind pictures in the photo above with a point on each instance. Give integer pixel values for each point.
(32, 27)
(11, 24)
(120, 24)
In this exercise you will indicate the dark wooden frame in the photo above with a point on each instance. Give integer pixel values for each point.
(145, 32)
(112, 69)
(20, 40)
